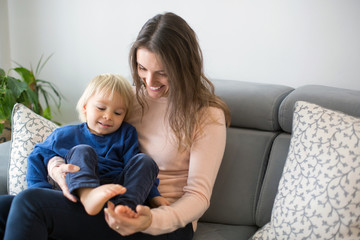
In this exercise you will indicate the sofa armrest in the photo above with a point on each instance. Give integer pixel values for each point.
(4, 165)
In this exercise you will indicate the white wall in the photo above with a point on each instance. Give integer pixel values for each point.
(4, 36)
(284, 42)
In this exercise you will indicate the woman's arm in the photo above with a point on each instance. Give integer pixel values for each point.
(205, 159)
(57, 170)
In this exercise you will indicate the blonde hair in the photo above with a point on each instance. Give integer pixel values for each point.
(106, 84)
(190, 92)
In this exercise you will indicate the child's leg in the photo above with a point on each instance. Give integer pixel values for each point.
(86, 158)
(138, 177)
(85, 184)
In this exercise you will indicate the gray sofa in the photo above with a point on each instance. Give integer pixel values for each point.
(256, 150)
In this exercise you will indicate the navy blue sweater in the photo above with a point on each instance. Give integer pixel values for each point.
(114, 151)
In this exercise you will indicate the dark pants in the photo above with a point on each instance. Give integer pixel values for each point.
(138, 176)
(41, 214)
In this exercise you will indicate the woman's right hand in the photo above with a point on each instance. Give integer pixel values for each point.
(58, 174)
(126, 222)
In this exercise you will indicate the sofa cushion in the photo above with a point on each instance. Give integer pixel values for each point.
(240, 177)
(213, 231)
(277, 158)
(344, 100)
(252, 105)
(319, 194)
(28, 129)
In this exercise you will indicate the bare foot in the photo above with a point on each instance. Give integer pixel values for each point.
(93, 199)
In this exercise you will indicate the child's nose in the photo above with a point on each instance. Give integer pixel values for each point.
(107, 115)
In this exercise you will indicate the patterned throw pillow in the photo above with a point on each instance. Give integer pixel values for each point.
(28, 129)
(319, 192)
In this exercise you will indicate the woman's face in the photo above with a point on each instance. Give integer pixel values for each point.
(151, 71)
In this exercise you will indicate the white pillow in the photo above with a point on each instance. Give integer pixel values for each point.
(319, 191)
(28, 129)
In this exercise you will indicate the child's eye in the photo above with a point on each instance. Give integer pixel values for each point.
(118, 113)
(101, 108)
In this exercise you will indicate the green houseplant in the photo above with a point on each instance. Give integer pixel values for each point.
(28, 90)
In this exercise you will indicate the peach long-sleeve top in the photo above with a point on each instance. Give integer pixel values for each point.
(186, 177)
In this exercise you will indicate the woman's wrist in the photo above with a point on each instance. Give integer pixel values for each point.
(149, 222)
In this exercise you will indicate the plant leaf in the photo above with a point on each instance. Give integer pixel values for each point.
(47, 84)
(40, 66)
(16, 86)
(2, 73)
(26, 75)
(47, 113)
(3, 114)
(34, 101)
(31, 94)
(8, 101)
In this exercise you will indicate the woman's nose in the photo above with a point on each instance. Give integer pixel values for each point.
(149, 78)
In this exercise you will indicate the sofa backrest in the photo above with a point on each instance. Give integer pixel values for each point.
(254, 126)
(257, 145)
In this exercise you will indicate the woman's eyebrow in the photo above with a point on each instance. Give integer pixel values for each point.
(157, 71)
(141, 65)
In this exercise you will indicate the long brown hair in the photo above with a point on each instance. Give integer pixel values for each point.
(190, 92)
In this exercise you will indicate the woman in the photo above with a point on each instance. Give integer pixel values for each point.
(181, 125)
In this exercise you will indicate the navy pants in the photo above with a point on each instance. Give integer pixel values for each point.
(138, 176)
(41, 214)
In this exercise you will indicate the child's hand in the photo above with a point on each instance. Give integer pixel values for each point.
(158, 201)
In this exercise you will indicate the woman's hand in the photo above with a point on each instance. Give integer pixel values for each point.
(158, 201)
(58, 174)
(126, 222)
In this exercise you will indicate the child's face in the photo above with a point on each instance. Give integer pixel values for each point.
(104, 114)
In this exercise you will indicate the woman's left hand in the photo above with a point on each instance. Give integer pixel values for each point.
(126, 223)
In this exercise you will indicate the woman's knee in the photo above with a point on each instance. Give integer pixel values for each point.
(25, 205)
(28, 198)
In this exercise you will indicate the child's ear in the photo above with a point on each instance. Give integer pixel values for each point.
(84, 108)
